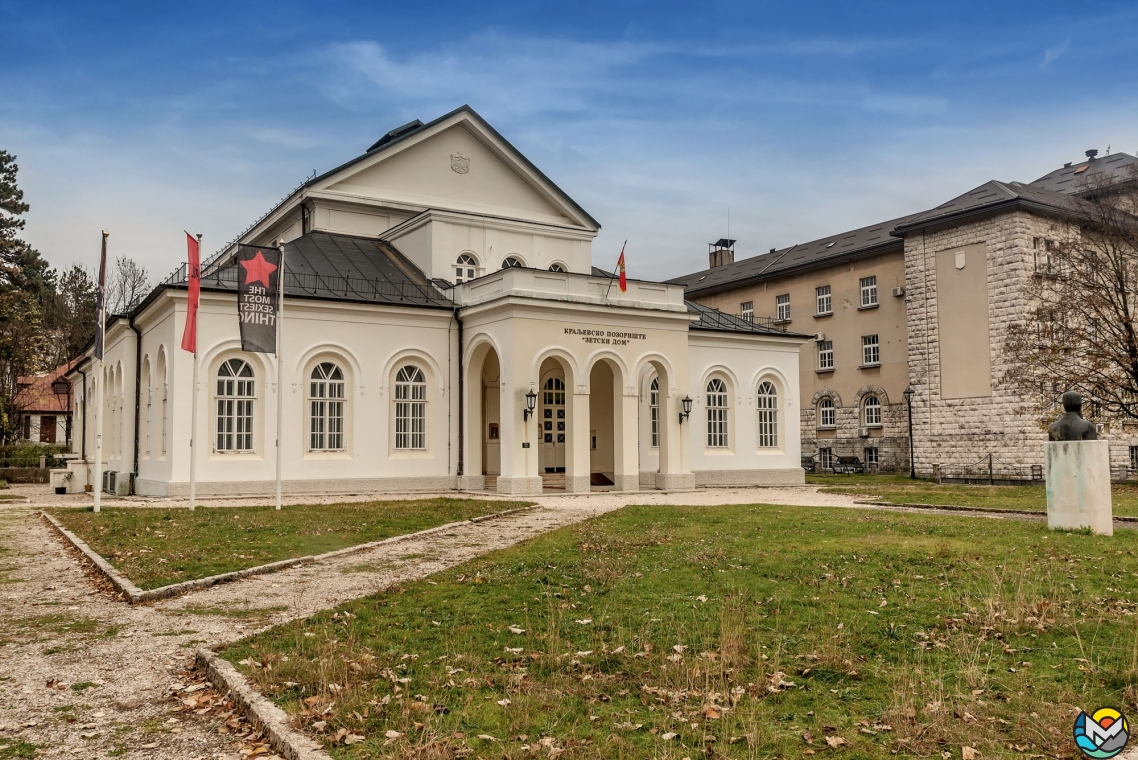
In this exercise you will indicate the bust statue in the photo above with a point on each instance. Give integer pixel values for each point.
(1071, 426)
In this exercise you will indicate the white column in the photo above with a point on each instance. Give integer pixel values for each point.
(578, 454)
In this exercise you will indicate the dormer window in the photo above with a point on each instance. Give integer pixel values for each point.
(465, 269)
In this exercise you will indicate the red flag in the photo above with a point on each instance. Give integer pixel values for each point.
(620, 268)
(193, 278)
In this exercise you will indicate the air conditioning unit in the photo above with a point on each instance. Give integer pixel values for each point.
(863, 432)
(819, 336)
(117, 483)
(899, 291)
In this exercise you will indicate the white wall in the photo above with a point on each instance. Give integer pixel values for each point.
(744, 362)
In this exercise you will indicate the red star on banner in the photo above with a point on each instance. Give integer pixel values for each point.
(258, 270)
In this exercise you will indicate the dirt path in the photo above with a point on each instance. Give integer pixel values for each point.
(83, 674)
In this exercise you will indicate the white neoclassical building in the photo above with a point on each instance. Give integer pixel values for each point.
(438, 287)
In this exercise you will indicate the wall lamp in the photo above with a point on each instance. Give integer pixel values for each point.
(687, 409)
(531, 404)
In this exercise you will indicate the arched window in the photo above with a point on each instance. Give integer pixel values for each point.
(654, 410)
(556, 267)
(235, 400)
(161, 389)
(146, 420)
(872, 407)
(717, 413)
(826, 416)
(465, 268)
(767, 403)
(410, 408)
(326, 408)
(511, 262)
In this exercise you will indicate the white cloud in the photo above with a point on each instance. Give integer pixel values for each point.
(1051, 54)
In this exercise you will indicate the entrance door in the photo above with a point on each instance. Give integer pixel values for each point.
(553, 424)
(47, 429)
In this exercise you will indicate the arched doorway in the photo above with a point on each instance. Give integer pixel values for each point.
(482, 450)
(553, 424)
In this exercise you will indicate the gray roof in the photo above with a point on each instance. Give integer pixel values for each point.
(340, 268)
(863, 241)
(1074, 179)
(994, 196)
(1051, 193)
(714, 320)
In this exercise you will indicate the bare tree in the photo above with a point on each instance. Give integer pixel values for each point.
(1080, 325)
(127, 284)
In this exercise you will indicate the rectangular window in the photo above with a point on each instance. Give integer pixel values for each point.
(872, 456)
(870, 350)
(782, 307)
(411, 416)
(1134, 457)
(825, 301)
(868, 291)
(826, 458)
(825, 354)
(747, 310)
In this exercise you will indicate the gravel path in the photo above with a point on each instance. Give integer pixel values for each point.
(83, 674)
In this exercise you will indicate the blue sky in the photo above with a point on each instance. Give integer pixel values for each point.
(804, 119)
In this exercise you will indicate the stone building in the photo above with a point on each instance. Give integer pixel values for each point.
(921, 302)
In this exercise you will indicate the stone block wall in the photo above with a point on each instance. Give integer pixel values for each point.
(891, 439)
(958, 432)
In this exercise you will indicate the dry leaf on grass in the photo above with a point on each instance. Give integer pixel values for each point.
(969, 753)
(835, 741)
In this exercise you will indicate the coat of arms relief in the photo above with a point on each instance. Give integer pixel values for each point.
(459, 163)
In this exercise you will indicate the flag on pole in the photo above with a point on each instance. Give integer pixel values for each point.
(258, 290)
(193, 278)
(101, 301)
(620, 269)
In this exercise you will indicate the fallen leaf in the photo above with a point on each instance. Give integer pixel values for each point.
(515, 629)
(668, 736)
(968, 753)
(584, 621)
(393, 734)
(835, 741)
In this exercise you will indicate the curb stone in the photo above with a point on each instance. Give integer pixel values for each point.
(270, 719)
(955, 508)
(135, 595)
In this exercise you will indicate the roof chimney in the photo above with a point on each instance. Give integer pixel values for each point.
(1090, 154)
(721, 252)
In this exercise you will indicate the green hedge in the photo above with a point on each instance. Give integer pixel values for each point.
(28, 454)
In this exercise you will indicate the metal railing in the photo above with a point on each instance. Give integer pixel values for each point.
(323, 286)
(989, 470)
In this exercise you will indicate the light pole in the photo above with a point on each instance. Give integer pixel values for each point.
(908, 394)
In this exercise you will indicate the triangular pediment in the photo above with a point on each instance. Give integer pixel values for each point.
(458, 163)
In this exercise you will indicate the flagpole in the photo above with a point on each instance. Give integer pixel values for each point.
(615, 272)
(101, 316)
(280, 364)
(194, 402)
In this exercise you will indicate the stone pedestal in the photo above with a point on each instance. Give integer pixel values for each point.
(1078, 486)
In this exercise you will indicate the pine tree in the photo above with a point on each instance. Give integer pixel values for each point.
(27, 285)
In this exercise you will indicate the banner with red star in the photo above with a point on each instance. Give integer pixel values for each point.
(258, 295)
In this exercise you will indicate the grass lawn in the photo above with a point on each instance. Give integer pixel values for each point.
(899, 489)
(733, 631)
(157, 547)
